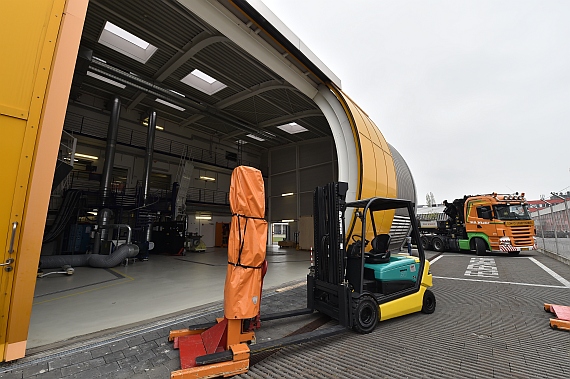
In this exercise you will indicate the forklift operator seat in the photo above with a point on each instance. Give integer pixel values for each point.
(379, 252)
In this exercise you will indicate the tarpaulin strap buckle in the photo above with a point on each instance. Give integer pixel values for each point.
(242, 241)
(244, 266)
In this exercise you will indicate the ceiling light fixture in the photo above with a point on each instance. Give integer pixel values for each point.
(287, 220)
(253, 136)
(287, 194)
(177, 93)
(208, 178)
(158, 100)
(157, 127)
(106, 80)
(86, 156)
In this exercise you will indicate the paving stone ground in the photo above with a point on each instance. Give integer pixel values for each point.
(144, 351)
(480, 330)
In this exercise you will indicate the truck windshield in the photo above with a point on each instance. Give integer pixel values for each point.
(511, 212)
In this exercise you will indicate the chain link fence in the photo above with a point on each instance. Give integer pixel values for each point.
(553, 229)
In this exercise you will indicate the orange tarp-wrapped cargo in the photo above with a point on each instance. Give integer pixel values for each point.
(246, 245)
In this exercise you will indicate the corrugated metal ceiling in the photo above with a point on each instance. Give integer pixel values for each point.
(174, 31)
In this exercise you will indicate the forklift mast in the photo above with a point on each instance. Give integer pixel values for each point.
(327, 290)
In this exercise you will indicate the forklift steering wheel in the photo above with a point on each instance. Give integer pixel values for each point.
(357, 238)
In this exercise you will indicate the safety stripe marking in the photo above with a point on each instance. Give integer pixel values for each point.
(552, 273)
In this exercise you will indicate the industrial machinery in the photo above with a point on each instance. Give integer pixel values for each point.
(357, 285)
(480, 223)
(194, 243)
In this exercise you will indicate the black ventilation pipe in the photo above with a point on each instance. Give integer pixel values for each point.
(112, 132)
(149, 152)
(105, 214)
(93, 260)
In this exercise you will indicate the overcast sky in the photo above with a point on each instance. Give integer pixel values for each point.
(474, 94)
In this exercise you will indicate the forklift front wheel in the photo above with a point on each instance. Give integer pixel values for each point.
(428, 305)
(365, 314)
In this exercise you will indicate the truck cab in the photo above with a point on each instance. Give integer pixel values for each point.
(480, 223)
(502, 221)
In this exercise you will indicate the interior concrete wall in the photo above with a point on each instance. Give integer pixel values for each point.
(206, 228)
(299, 169)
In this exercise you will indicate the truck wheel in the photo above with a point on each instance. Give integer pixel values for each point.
(480, 246)
(425, 242)
(437, 244)
(428, 305)
(364, 314)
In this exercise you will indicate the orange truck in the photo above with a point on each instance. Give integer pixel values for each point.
(479, 223)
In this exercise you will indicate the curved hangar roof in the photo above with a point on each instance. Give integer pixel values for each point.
(148, 50)
(230, 70)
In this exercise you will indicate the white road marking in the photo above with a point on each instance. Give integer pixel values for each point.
(435, 260)
(566, 283)
(482, 267)
(552, 273)
(501, 282)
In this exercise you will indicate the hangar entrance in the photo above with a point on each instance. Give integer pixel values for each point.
(162, 107)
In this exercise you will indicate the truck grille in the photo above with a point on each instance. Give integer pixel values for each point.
(522, 235)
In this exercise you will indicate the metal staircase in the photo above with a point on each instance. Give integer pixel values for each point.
(184, 175)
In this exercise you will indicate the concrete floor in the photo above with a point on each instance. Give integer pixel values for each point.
(92, 299)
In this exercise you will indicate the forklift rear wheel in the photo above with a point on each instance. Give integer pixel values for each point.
(428, 305)
(437, 244)
(480, 247)
(365, 314)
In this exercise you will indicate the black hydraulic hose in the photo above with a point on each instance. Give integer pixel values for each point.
(93, 260)
(62, 215)
(66, 211)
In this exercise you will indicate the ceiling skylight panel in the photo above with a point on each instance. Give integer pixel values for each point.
(292, 128)
(203, 82)
(205, 77)
(126, 43)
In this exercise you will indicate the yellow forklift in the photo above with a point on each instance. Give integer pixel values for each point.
(354, 279)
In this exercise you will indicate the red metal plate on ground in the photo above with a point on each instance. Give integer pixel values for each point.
(214, 337)
(561, 311)
(190, 348)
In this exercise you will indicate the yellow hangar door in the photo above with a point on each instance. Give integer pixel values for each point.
(39, 47)
(10, 152)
